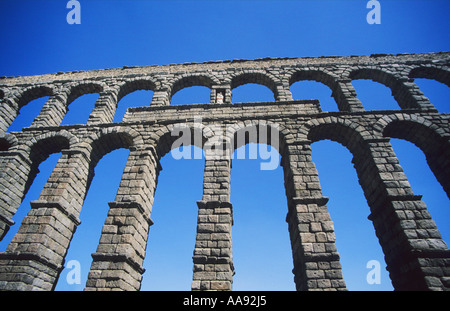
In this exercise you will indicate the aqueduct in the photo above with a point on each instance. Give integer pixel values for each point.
(416, 256)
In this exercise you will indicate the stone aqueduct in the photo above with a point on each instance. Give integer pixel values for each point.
(416, 256)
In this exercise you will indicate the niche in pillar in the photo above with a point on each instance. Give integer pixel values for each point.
(220, 96)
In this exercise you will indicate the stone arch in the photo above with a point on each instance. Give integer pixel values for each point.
(192, 133)
(317, 75)
(430, 72)
(388, 195)
(257, 77)
(24, 96)
(86, 87)
(97, 145)
(131, 85)
(257, 131)
(432, 140)
(40, 148)
(349, 134)
(400, 91)
(188, 80)
(44, 145)
(109, 139)
(33, 92)
(75, 111)
(20, 165)
(321, 76)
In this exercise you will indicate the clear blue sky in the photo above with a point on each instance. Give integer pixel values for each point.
(36, 39)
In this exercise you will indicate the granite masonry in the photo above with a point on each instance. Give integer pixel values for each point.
(416, 256)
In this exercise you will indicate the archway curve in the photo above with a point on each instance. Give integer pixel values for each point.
(257, 77)
(33, 92)
(318, 75)
(109, 139)
(41, 147)
(432, 140)
(431, 72)
(344, 131)
(400, 92)
(326, 79)
(172, 136)
(44, 145)
(391, 126)
(259, 132)
(189, 80)
(47, 145)
(129, 86)
(79, 89)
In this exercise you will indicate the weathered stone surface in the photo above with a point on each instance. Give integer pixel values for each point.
(416, 256)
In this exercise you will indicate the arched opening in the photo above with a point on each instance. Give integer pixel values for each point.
(102, 189)
(172, 237)
(192, 95)
(139, 98)
(356, 241)
(423, 182)
(436, 148)
(314, 90)
(82, 245)
(134, 93)
(79, 110)
(168, 260)
(195, 89)
(37, 183)
(27, 114)
(262, 253)
(19, 177)
(252, 92)
(253, 87)
(374, 95)
(437, 92)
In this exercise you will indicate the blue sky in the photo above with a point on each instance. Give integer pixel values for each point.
(36, 39)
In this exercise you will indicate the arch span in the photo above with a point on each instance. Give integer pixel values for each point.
(401, 92)
(192, 80)
(80, 89)
(32, 93)
(429, 138)
(262, 78)
(129, 86)
(429, 72)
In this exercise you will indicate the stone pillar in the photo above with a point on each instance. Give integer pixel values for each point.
(213, 260)
(8, 112)
(52, 112)
(161, 98)
(283, 93)
(104, 109)
(345, 96)
(409, 96)
(35, 257)
(15, 174)
(415, 254)
(316, 260)
(117, 263)
(287, 91)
